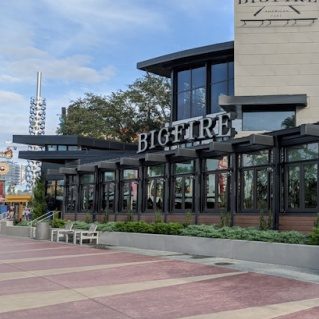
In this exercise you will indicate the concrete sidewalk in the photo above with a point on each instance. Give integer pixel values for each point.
(40, 279)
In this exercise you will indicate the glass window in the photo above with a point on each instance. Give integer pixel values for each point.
(87, 179)
(262, 189)
(130, 174)
(211, 191)
(62, 147)
(310, 185)
(268, 120)
(87, 195)
(198, 102)
(217, 90)
(155, 194)
(255, 159)
(129, 201)
(186, 167)
(157, 170)
(184, 105)
(302, 152)
(109, 176)
(293, 186)
(52, 148)
(184, 80)
(73, 148)
(222, 83)
(219, 72)
(248, 198)
(215, 164)
(191, 93)
(108, 196)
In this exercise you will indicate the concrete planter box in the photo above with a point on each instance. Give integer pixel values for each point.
(273, 253)
(7, 228)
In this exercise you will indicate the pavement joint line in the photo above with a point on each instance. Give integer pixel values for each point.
(270, 311)
(24, 301)
(28, 259)
(31, 250)
(61, 271)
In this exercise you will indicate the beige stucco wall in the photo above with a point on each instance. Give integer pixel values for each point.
(280, 57)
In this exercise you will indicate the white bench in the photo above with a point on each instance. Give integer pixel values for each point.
(91, 235)
(60, 233)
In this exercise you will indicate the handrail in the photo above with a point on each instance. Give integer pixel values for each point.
(44, 217)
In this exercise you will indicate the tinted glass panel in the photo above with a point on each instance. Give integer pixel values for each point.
(302, 152)
(262, 189)
(248, 199)
(87, 178)
(130, 174)
(311, 180)
(178, 199)
(62, 148)
(222, 190)
(293, 186)
(129, 202)
(184, 105)
(159, 195)
(255, 159)
(198, 102)
(198, 77)
(184, 80)
(231, 72)
(211, 191)
(219, 72)
(73, 148)
(188, 189)
(187, 167)
(268, 121)
(87, 197)
(153, 171)
(109, 176)
(52, 147)
(215, 164)
(217, 90)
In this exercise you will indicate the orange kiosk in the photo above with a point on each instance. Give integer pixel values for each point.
(19, 201)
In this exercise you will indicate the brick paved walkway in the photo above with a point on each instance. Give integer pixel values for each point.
(40, 279)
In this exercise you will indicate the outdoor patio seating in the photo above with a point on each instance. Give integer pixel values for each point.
(91, 235)
(63, 233)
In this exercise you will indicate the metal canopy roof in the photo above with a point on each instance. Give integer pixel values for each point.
(164, 64)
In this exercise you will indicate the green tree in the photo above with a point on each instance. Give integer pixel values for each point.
(144, 106)
(38, 203)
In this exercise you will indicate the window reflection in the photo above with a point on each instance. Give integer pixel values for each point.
(191, 93)
(268, 120)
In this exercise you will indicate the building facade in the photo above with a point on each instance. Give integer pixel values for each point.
(243, 139)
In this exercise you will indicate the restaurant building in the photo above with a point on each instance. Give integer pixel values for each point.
(243, 139)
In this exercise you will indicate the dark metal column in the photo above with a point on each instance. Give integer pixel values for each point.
(78, 189)
(65, 192)
(141, 188)
(117, 194)
(197, 186)
(96, 194)
(276, 185)
(233, 190)
(168, 182)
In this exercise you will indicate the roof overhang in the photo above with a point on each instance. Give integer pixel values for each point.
(164, 64)
(230, 103)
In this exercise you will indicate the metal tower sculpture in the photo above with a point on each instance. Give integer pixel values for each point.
(36, 127)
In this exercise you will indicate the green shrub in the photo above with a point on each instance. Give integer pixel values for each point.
(88, 218)
(159, 217)
(225, 219)
(188, 218)
(239, 233)
(57, 223)
(23, 223)
(313, 238)
(81, 225)
(110, 226)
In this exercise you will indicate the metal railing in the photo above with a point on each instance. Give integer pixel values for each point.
(45, 217)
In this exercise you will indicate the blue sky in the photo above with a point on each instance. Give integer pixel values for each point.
(92, 46)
